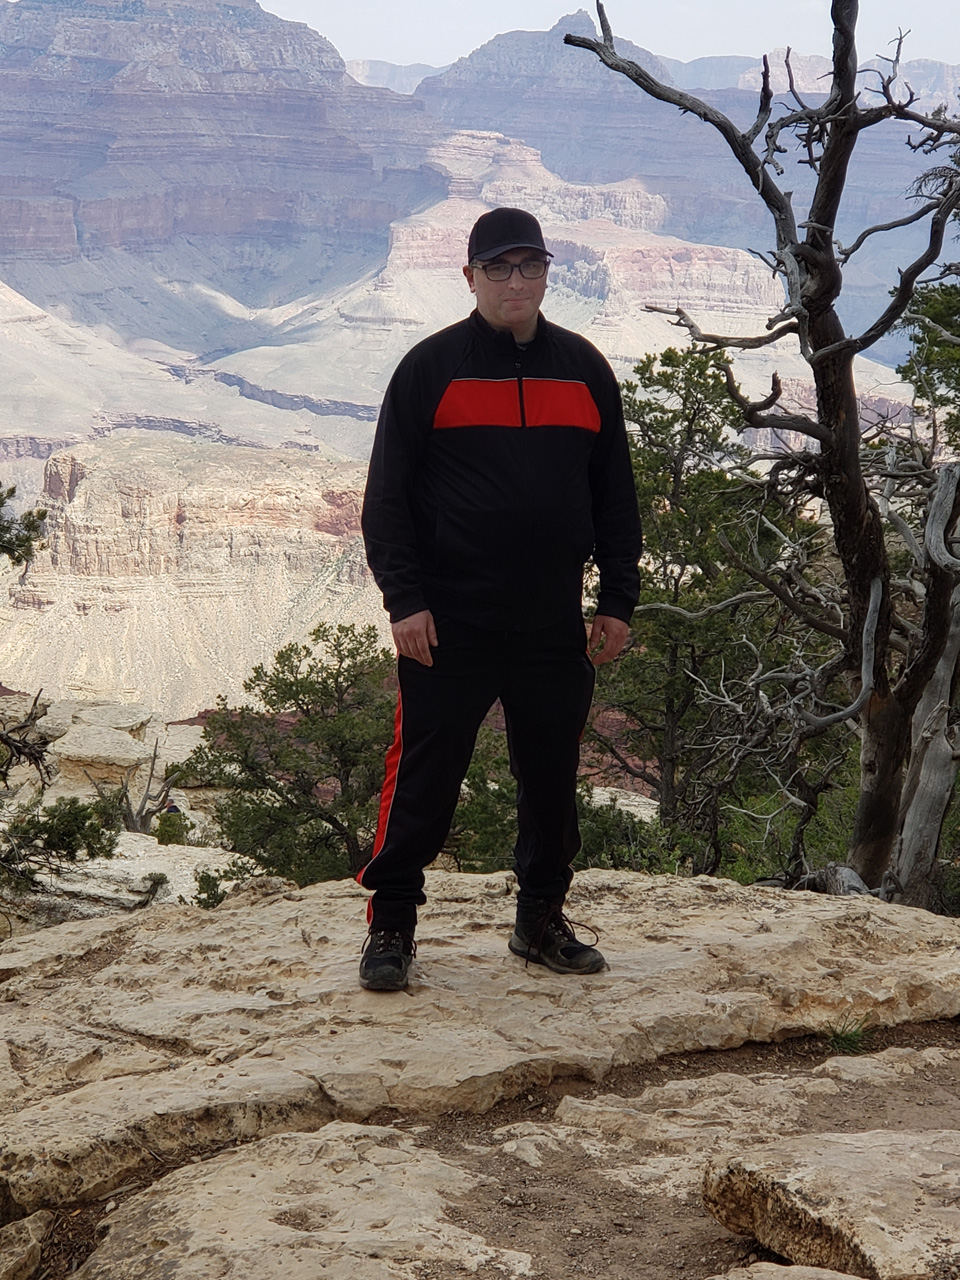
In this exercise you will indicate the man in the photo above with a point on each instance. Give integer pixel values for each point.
(500, 465)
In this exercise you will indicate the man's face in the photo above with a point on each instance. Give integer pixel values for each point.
(509, 304)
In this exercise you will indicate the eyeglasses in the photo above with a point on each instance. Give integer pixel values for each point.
(532, 269)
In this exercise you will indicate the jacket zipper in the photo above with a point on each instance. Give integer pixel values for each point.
(523, 412)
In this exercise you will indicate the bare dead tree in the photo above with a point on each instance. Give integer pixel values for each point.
(139, 816)
(20, 743)
(890, 657)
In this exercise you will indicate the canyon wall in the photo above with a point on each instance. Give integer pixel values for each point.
(124, 126)
(171, 568)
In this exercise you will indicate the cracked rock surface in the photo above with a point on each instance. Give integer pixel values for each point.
(177, 1049)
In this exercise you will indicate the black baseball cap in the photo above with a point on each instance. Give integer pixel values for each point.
(501, 230)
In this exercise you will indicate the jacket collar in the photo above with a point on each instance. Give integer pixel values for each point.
(502, 339)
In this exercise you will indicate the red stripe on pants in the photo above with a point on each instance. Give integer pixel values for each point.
(394, 753)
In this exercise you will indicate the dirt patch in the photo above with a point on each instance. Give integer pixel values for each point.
(576, 1223)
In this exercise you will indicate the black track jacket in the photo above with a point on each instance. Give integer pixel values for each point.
(497, 471)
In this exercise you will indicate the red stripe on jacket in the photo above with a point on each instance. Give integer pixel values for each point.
(550, 403)
(547, 402)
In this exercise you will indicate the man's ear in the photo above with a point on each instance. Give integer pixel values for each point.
(468, 275)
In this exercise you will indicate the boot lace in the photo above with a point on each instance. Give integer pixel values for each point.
(555, 924)
(380, 941)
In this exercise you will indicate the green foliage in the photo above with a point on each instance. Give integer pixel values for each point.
(173, 828)
(702, 619)
(303, 767)
(210, 891)
(39, 839)
(484, 825)
(850, 1035)
(613, 837)
(18, 534)
(934, 362)
(757, 835)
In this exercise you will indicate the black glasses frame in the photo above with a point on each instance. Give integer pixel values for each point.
(498, 272)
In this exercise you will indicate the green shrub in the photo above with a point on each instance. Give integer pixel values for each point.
(173, 828)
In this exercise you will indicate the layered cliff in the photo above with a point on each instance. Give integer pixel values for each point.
(125, 125)
(170, 568)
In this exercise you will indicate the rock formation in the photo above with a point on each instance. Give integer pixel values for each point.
(170, 570)
(115, 97)
(878, 1204)
(387, 75)
(218, 1085)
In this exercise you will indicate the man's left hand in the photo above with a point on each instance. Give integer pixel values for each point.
(607, 638)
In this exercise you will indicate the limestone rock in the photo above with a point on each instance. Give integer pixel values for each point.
(129, 718)
(208, 1211)
(351, 1203)
(15, 707)
(102, 752)
(169, 573)
(657, 1143)
(687, 1115)
(879, 1204)
(20, 1245)
(771, 1271)
(256, 1022)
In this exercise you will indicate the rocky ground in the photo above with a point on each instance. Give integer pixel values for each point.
(188, 1093)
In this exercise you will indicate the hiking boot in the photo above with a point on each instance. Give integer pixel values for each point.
(544, 935)
(386, 958)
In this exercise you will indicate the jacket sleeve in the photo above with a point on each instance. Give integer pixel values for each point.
(389, 532)
(618, 541)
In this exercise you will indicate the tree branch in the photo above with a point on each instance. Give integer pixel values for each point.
(868, 653)
(739, 143)
(766, 103)
(916, 318)
(846, 254)
(756, 416)
(717, 341)
(941, 516)
(908, 279)
(745, 597)
(783, 595)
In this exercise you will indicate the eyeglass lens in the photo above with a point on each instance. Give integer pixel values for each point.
(532, 269)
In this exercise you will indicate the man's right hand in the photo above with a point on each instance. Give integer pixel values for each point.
(415, 635)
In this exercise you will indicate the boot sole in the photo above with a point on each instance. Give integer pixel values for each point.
(385, 981)
(537, 957)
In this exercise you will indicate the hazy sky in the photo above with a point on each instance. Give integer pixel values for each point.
(440, 31)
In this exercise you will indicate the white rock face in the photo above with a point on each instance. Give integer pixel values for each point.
(876, 1204)
(171, 569)
(103, 752)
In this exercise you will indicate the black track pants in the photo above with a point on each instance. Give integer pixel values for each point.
(544, 681)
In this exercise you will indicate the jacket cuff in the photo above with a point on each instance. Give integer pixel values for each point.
(613, 606)
(405, 607)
